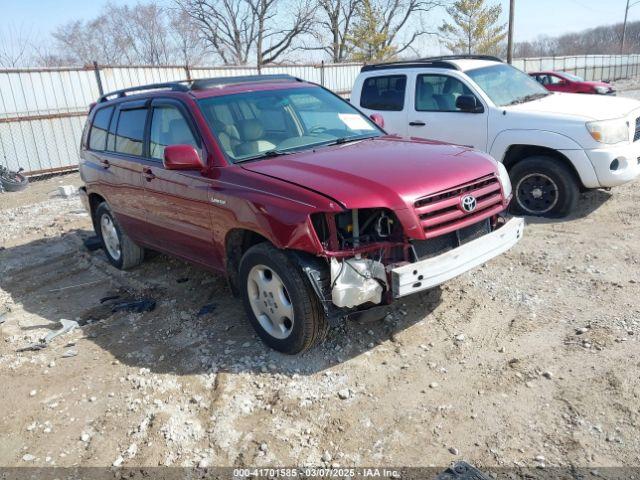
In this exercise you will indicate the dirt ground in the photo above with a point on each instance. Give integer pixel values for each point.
(530, 360)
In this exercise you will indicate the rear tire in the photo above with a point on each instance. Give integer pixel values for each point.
(543, 186)
(279, 301)
(121, 251)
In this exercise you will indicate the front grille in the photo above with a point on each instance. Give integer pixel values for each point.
(436, 246)
(636, 135)
(442, 212)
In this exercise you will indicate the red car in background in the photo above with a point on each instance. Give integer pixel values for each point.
(568, 83)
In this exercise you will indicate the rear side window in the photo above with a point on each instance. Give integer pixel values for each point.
(130, 131)
(384, 93)
(98, 133)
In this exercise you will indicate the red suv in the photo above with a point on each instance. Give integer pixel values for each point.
(312, 212)
(568, 83)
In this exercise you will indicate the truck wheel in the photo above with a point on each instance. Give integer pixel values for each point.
(280, 303)
(119, 248)
(543, 186)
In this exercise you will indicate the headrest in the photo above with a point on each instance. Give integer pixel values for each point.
(426, 89)
(250, 130)
(180, 132)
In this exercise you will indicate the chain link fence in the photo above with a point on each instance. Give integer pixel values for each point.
(42, 111)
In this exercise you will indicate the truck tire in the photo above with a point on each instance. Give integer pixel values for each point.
(121, 251)
(281, 305)
(543, 186)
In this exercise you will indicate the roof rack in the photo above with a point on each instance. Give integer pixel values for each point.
(199, 84)
(430, 62)
(205, 83)
(175, 86)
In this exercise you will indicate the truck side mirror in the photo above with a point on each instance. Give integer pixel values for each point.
(377, 119)
(181, 157)
(469, 104)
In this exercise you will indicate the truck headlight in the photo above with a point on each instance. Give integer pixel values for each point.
(504, 180)
(609, 131)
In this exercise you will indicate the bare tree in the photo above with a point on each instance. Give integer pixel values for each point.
(227, 26)
(190, 48)
(15, 46)
(234, 29)
(335, 18)
(397, 15)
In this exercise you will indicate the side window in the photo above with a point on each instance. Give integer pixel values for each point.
(553, 80)
(98, 133)
(438, 93)
(130, 131)
(384, 93)
(168, 127)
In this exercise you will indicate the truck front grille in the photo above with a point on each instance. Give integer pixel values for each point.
(442, 213)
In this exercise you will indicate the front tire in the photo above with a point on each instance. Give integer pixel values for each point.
(279, 301)
(121, 251)
(543, 186)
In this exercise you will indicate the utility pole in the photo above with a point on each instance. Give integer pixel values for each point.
(512, 7)
(624, 28)
(624, 25)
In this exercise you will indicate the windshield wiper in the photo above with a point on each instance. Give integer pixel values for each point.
(341, 140)
(267, 154)
(528, 98)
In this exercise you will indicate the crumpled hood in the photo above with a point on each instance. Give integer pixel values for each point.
(587, 107)
(387, 171)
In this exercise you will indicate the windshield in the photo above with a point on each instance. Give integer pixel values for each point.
(506, 85)
(261, 124)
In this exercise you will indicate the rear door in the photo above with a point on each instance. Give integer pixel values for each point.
(115, 148)
(386, 95)
(433, 113)
(177, 203)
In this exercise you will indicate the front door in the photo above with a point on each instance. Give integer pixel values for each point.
(177, 202)
(434, 115)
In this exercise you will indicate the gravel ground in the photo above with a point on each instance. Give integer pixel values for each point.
(529, 360)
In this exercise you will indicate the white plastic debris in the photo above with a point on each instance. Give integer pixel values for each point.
(66, 191)
(356, 281)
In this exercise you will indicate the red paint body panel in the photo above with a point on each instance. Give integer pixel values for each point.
(190, 214)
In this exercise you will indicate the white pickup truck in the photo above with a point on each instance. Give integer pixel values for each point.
(553, 144)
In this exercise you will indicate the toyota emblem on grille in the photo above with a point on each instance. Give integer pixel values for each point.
(468, 203)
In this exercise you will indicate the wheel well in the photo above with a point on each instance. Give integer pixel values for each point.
(516, 153)
(238, 242)
(94, 201)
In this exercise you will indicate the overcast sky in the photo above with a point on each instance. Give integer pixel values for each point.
(533, 17)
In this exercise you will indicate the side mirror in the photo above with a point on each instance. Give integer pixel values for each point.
(181, 157)
(377, 119)
(469, 104)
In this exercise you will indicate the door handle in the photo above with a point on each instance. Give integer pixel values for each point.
(105, 163)
(417, 123)
(148, 174)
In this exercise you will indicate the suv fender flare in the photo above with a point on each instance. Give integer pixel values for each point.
(564, 145)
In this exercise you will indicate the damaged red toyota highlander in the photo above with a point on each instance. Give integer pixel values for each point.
(313, 213)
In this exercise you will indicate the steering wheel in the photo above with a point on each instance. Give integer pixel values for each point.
(317, 129)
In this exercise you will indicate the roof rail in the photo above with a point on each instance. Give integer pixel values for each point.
(199, 84)
(429, 62)
(180, 86)
(205, 83)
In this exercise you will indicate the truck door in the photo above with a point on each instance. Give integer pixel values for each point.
(386, 95)
(433, 113)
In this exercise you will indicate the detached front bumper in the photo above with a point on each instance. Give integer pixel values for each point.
(425, 274)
